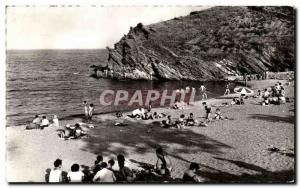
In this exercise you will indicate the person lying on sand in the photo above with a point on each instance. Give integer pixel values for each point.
(163, 164)
(45, 123)
(158, 115)
(190, 175)
(56, 172)
(125, 173)
(137, 113)
(218, 115)
(75, 175)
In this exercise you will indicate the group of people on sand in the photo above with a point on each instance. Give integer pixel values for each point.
(107, 172)
(88, 110)
(42, 122)
(144, 114)
(273, 95)
(72, 132)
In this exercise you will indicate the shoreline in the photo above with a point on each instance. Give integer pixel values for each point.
(208, 146)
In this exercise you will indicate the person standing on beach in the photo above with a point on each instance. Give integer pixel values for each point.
(86, 110)
(90, 111)
(227, 90)
(208, 112)
(203, 92)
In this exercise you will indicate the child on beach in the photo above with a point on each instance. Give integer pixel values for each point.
(233, 102)
(203, 92)
(190, 120)
(86, 110)
(218, 115)
(91, 111)
(75, 175)
(56, 173)
(208, 111)
(180, 123)
(227, 90)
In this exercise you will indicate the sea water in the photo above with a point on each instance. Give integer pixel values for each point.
(58, 81)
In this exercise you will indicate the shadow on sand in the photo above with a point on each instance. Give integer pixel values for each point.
(272, 118)
(141, 138)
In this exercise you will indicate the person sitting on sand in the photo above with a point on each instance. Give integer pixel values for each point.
(266, 96)
(233, 102)
(75, 175)
(218, 115)
(37, 121)
(281, 96)
(66, 132)
(111, 163)
(34, 124)
(44, 123)
(190, 121)
(167, 123)
(208, 111)
(190, 175)
(259, 94)
(55, 122)
(180, 122)
(147, 115)
(125, 173)
(97, 165)
(104, 175)
(175, 105)
(119, 114)
(163, 164)
(78, 132)
(91, 111)
(56, 173)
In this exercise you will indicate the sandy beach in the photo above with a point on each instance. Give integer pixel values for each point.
(234, 150)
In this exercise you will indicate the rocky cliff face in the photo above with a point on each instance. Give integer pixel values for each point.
(208, 45)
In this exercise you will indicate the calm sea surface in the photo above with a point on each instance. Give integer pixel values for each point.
(58, 81)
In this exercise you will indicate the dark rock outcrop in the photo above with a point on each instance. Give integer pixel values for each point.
(208, 45)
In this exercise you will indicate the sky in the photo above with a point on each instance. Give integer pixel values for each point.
(79, 27)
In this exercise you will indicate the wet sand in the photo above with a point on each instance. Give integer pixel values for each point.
(234, 150)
